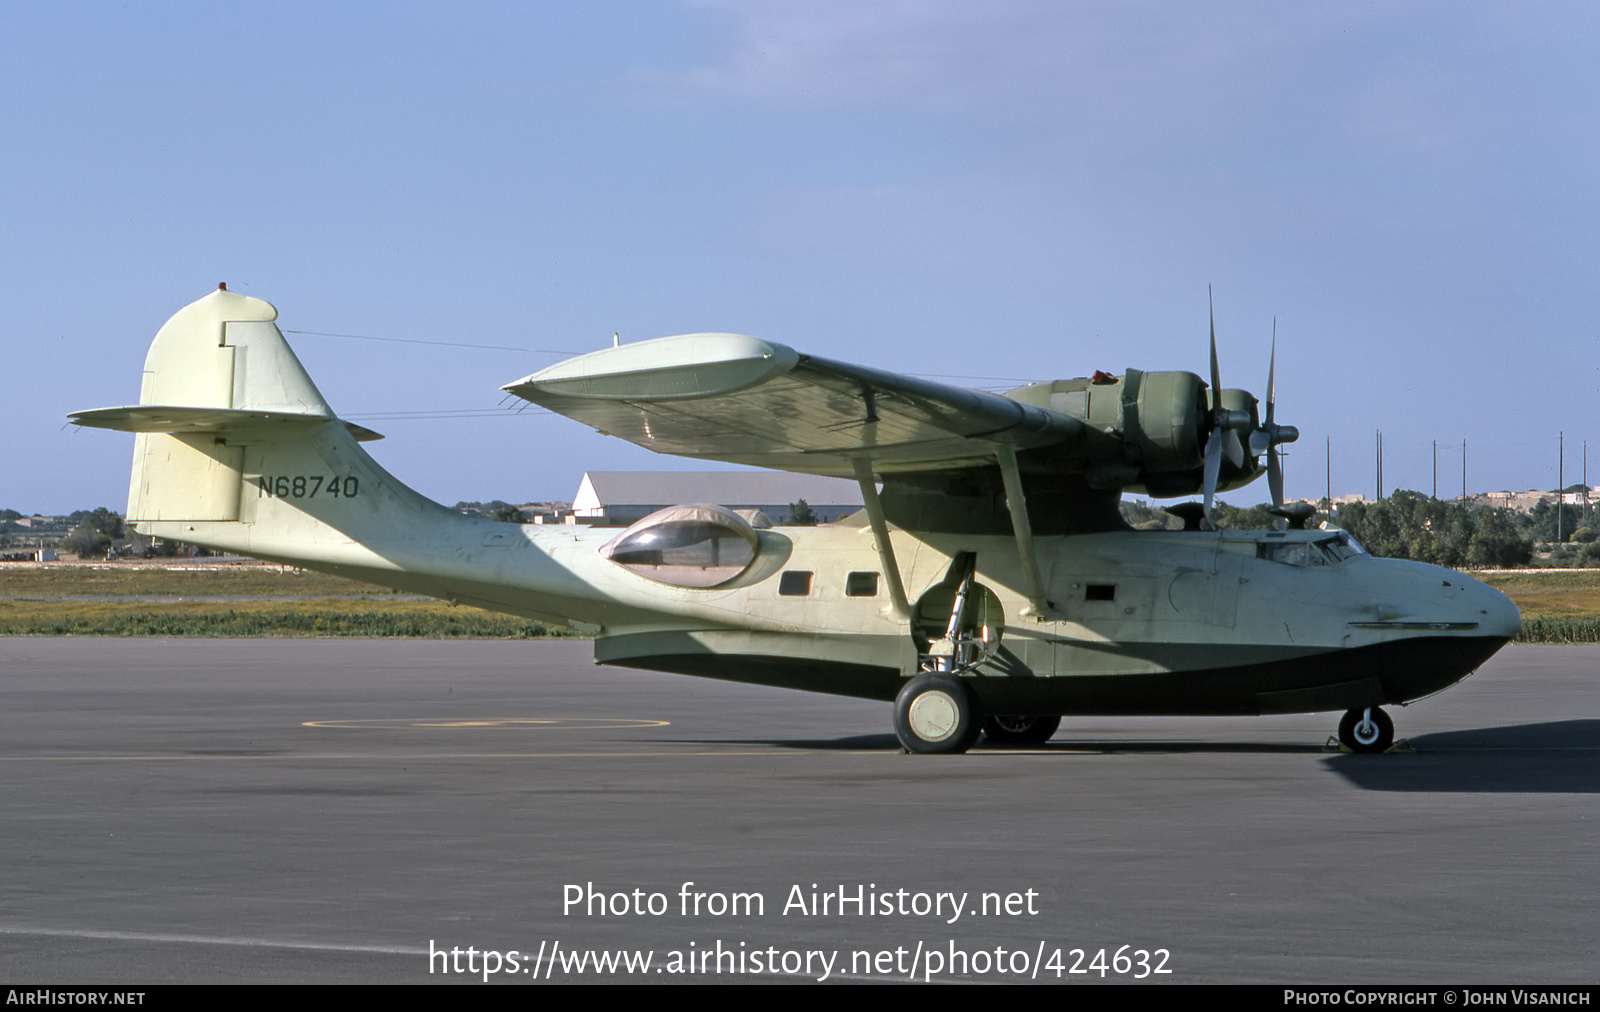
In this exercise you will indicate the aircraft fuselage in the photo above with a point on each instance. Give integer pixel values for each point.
(1226, 622)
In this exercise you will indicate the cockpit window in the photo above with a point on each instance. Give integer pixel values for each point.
(1328, 551)
(686, 546)
(1340, 547)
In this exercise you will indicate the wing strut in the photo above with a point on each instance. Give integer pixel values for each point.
(880, 536)
(1038, 607)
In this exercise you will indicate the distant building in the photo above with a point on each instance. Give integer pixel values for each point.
(545, 512)
(1524, 502)
(618, 498)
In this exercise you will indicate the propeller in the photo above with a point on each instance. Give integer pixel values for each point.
(1261, 439)
(1226, 426)
(1267, 438)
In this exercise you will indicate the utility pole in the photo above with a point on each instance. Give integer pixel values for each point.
(1327, 449)
(1463, 472)
(1561, 479)
(1379, 465)
(1436, 469)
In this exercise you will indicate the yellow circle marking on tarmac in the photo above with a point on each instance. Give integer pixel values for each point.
(394, 757)
(520, 723)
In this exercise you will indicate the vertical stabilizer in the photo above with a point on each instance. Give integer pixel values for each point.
(222, 351)
(225, 351)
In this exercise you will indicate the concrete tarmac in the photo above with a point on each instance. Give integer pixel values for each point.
(303, 811)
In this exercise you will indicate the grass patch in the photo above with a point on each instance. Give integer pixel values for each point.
(1543, 579)
(1557, 607)
(1565, 603)
(1547, 630)
(308, 618)
(117, 580)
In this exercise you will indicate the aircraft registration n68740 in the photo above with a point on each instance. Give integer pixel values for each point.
(991, 586)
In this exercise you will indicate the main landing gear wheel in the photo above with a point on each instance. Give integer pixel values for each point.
(936, 713)
(1366, 730)
(1009, 729)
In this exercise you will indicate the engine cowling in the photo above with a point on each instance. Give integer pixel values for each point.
(1168, 425)
(1150, 428)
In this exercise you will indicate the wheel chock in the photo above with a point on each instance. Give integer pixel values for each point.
(1401, 746)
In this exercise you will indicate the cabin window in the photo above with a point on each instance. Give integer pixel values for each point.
(686, 546)
(794, 583)
(861, 585)
(1290, 553)
(1100, 592)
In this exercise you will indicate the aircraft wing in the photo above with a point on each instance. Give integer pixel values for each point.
(742, 400)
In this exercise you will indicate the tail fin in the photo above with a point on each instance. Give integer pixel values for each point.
(224, 351)
(218, 366)
(236, 447)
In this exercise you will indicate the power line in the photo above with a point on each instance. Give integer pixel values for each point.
(441, 413)
(441, 344)
(560, 351)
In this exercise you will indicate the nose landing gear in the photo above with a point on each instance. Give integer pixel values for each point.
(1366, 730)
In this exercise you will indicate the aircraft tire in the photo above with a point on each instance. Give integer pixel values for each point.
(1010, 730)
(1376, 737)
(936, 714)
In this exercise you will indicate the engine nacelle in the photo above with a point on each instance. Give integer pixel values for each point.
(1152, 428)
(1156, 420)
(1169, 422)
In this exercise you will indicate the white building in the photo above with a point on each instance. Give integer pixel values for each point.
(618, 498)
(1524, 502)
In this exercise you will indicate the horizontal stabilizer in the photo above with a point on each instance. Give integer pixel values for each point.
(161, 418)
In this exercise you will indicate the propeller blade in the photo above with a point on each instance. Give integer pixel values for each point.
(1261, 439)
(1275, 475)
(1234, 448)
(1216, 377)
(1213, 466)
(1274, 455)
(1272, 372)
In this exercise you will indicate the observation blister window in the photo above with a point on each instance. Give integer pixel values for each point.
(686, 546)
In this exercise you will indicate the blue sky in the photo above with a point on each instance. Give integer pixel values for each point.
(1006, 190)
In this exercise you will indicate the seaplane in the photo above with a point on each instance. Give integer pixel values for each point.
(988, 588)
